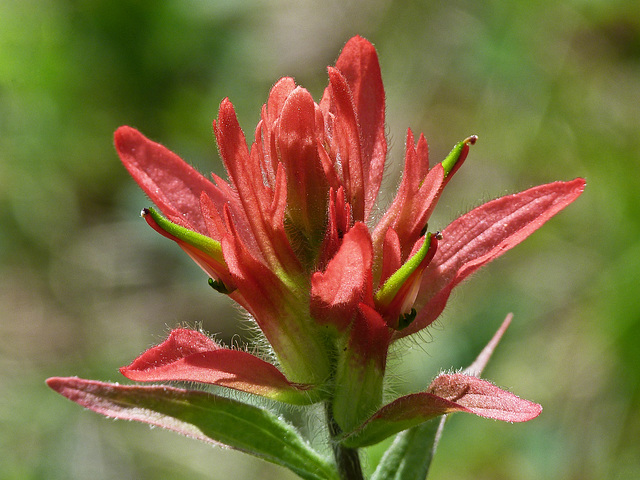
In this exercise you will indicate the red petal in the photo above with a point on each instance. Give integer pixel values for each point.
(262, 205)
(214, 218)
(336, 292)
(280, 312)
(483, 234)
(278, 96)
(217, 210)
(346, 139)
(415, 200)
(191, 356)
(359, 64)
(339, 219)
(265, 132)
(243, 173)
(296, 144)
(391, 255)
(370, 336)
(173, 185)
(261, 288)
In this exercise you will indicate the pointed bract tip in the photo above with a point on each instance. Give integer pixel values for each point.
(225, 106)
(52, 382)
(479, 364)
(357, 39)
(121, 131)
(126, 138)
(59, 383)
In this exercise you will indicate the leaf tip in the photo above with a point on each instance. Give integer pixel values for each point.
(54, 383)
(479, 364)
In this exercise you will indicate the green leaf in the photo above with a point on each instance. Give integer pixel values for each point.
(409, 456)
(403, 413)
(206, 417)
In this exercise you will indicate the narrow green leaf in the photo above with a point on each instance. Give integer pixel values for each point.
(409, 456)
(206, 417)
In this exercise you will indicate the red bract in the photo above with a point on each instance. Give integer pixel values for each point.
(289, 237)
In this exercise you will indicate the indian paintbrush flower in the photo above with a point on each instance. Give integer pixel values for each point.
(292, 238)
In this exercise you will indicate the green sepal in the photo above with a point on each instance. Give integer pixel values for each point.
(409, 456)
(206, 417)
(388, 291)
(360, 369)
(459, 152)
(203, 243)
(406, 319)
(358, 391)
(219, 286)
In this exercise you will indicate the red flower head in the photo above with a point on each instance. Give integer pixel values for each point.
(289, 236)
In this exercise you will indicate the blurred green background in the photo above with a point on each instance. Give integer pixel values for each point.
(551, 88)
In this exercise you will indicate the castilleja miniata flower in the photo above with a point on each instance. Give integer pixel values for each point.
(292, 238)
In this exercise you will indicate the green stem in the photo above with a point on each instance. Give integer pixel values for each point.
(347, 459)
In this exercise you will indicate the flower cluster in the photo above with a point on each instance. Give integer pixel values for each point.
(291, 236)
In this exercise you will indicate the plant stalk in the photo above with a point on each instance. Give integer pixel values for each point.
(347, 459)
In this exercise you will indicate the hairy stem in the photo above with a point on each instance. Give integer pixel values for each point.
(347, 459)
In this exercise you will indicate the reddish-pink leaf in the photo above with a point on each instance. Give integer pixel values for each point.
(119, 401)
(483, 234)
(191, 356)
(172, 184)
(483, 398)
(446, 394)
